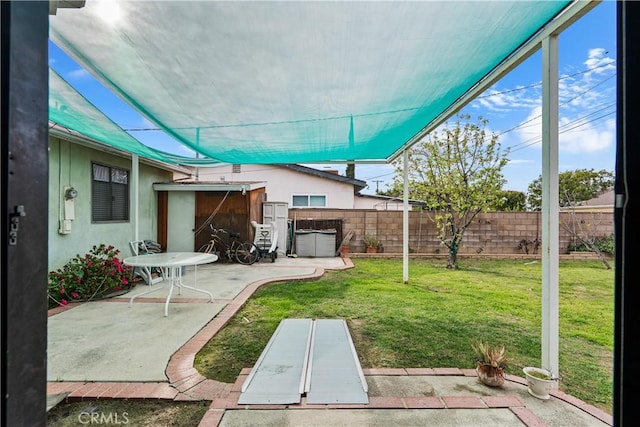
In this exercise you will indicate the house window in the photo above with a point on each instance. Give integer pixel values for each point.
(109, 194)
(308, 201)
(235, 168)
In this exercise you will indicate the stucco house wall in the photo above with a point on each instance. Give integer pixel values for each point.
(70, 166)
(283, 183)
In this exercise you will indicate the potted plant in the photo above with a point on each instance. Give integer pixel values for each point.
(372, 244)
(539, 382)
(491, 363)
(344, 249)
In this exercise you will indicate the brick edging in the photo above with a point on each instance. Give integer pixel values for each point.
(511, 402)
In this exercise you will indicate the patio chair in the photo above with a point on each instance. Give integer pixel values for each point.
(151, 275)
(266, 239)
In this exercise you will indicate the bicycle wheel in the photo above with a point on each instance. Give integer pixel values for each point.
(247, 253)
(208, 248)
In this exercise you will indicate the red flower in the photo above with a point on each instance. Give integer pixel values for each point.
(61, 289)
(63, 302)
(116, 288)
(124, 281)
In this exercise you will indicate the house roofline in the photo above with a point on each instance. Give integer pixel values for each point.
(357, 183)
(392, 199)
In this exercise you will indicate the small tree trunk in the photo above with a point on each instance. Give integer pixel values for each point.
(452, 261)
(604, 260)
(598, 252)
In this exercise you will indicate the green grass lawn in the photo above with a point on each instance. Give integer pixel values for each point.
(433, 321)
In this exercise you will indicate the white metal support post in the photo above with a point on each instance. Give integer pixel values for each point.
(405, 218)
(550, 205)
(134, 185)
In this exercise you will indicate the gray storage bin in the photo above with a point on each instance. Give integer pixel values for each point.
(326, 243)
(305, 243)
(316, 243)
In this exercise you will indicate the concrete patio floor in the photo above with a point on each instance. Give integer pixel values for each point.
(122, 352)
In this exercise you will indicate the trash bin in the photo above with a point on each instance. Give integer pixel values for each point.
(326, 243)
(316, 243)
(305, 243)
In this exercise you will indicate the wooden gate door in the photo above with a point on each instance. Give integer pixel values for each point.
(231, 213)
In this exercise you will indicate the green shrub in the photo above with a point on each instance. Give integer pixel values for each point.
(604, 244)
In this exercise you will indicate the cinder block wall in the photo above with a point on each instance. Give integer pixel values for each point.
(490, 232)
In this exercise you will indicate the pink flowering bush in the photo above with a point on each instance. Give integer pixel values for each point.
(92, 276)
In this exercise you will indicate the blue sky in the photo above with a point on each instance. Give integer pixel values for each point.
(587, 56)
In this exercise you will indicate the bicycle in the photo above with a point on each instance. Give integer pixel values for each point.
(245, 253)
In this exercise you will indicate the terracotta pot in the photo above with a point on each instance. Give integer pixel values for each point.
(344, 250)
(490, 375)
(372, 250)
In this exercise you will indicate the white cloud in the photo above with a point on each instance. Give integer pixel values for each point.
(598, 62)
(509, 100)
(589, 138)
(515, 162)
(587, 102)
(77, 74)
(576, 134)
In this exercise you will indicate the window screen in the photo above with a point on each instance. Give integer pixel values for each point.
(303, 201)
(317, 201)
(109, 194)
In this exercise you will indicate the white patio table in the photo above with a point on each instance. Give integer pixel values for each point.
(172, 262)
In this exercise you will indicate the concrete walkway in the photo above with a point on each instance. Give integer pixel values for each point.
(117, 351)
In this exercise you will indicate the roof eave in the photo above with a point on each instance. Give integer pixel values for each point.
(85, 141)
(357, 183)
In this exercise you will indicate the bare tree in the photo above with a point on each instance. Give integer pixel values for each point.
(585, 231)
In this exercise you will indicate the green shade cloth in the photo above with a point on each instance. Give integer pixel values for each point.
(295, 82)
(69, 109)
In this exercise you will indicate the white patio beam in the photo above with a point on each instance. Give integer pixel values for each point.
(550, 205)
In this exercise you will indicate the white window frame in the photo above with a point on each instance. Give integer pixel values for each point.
(308, 196)
(108, 182)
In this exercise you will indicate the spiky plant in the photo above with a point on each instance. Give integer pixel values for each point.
(488, 355)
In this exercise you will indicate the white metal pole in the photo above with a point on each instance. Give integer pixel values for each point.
(135, 187)
(405, 218)
(550, 205)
